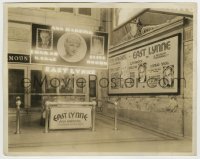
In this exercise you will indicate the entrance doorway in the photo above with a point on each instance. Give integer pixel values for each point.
(31, 97)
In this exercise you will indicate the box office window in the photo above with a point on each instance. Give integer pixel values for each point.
(85, 11)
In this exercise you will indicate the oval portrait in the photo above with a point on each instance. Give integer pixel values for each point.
(71, 47)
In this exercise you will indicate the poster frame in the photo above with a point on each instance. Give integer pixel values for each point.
(179, 36)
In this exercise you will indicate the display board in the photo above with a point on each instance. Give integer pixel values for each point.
(68, 46)
(75, 117)
(149, 69)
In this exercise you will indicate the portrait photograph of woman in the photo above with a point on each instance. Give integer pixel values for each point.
(72, 47)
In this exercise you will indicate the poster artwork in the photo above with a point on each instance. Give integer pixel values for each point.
(151, 68)
(68, 46)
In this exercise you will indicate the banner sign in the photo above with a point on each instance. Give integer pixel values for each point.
(70, 117)
(152, 68)
(68, 46)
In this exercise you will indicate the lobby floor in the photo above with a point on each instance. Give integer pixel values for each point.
(129, 140)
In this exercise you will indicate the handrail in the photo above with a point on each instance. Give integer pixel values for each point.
(115, 103)
(47, 110)
(48, 103)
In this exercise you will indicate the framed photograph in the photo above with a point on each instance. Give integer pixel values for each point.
(44, 40)
(97, 45)
(72, 47)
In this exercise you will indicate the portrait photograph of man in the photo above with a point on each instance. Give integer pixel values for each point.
(168, 76)
(72, 47)
(44, 39)
(97, 45)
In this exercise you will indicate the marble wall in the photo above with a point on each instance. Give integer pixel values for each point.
(154, 112)
(189, 75)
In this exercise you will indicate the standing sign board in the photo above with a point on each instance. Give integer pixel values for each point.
(75, 117)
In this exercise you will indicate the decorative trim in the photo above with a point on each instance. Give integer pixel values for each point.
(174, 24)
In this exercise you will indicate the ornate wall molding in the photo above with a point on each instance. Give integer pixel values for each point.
(152, 32)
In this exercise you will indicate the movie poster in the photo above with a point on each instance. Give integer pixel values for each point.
(150, 68)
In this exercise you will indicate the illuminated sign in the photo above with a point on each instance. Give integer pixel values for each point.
(69, 46)
(70, 70)
(70, 117)
(67, 29)
(18, 58)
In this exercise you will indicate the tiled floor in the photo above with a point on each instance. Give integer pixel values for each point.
(129, 139)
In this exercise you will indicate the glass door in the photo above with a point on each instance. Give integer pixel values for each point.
(21, 82)
(16, 75)
(36, 89)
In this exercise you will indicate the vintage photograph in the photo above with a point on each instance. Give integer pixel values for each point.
(97, 45)
(44, 39)
(168, 76)
(100, 79)
(72, 47)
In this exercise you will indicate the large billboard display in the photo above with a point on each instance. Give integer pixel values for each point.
(68, 46)
(153, 68)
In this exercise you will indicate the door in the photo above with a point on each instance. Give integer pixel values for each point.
(35, 92)
(20, 84)
(15, 86)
